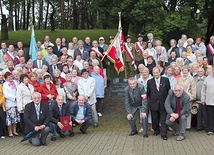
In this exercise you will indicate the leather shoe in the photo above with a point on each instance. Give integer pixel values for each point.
(53, 138)
(145, 136)
(133, 133)
(44, 144)
(155, 134)
(71, 134)
(62, 135)
(164, 137)
(83, 132)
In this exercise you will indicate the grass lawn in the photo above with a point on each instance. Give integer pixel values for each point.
(24, 36)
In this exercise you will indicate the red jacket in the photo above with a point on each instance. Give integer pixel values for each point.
(35, 84)
(44, 92)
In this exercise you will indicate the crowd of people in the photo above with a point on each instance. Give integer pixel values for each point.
(71, 79)
(177, 85)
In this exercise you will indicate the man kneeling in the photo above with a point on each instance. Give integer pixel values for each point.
(177, 105)
(57, 110)
(81, 113)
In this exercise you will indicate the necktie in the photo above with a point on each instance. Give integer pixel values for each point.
(37, 112)
(179, 107)
(60, 110)
(133, 92)
(40, 64)
(157, 84)
(54, 67)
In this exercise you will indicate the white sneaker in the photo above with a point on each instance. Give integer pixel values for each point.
(2, 137)
(141, 130)
(99, 114)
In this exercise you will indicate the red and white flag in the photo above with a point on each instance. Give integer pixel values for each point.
(120, 31)
(114, 54)
(99, 54)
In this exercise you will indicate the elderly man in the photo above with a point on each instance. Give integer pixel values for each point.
(84, 52)
(81, 113)
(177, 106)
(207, 98)
(135, 99)
(86, 88)
(37, 118)
(157, 91)
(57, 110)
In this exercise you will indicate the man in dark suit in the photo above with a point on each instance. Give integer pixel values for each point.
(157, 91)
(38, 63)
(26, 51)
(177, 106)
(180, 48)
(37, 118)
(151, 39)
(135, 99)
(81, 50)
(57, 110)
(81, 113)
(54, 66)
(57, 48)
(186, 60)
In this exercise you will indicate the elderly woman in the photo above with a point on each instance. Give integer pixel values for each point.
(12, 115)
(2, 113)
(96, 63)
(74, 77)
(70, 89)
(99, 89)
(190, 42)
(71, 49)
(150, 49)
(48, 90)
(23, 96)
(189, 86)
(56, 74)
(60, 88)
(169, 74)
(190, 54)
(65, 71)
(180, 62)
(177, 72)
(33, 81)
(39, 73)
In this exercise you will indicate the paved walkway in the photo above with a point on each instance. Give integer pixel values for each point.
(113, 143)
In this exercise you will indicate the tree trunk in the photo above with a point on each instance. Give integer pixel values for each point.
(33, 12)
(62, 14)
(75, 15)
(82, 24)
(40, 14)
(28, 14)
(10, 21)
(16, 16)
(4, 28)
(210, 28)
(24, 16)
(46, 17)
(125, 26)
(52, 17)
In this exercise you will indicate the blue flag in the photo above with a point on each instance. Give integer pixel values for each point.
(33, 46)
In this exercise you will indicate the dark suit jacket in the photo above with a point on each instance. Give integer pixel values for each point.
(35, 63)
(156, 99)
(85, 54)
(133, 102)
(56, 51)
(54, 112)
(50, 69)
(30, 116)
(177, 51)
(171, 104)
(187, 62)
(74, 108)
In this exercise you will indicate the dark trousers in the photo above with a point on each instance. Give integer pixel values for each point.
(210, 118)
(85, 125)
(21, 123)
(159, 116)
(2, 122)
(99, 105)
(40, 137)
(201, 117)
